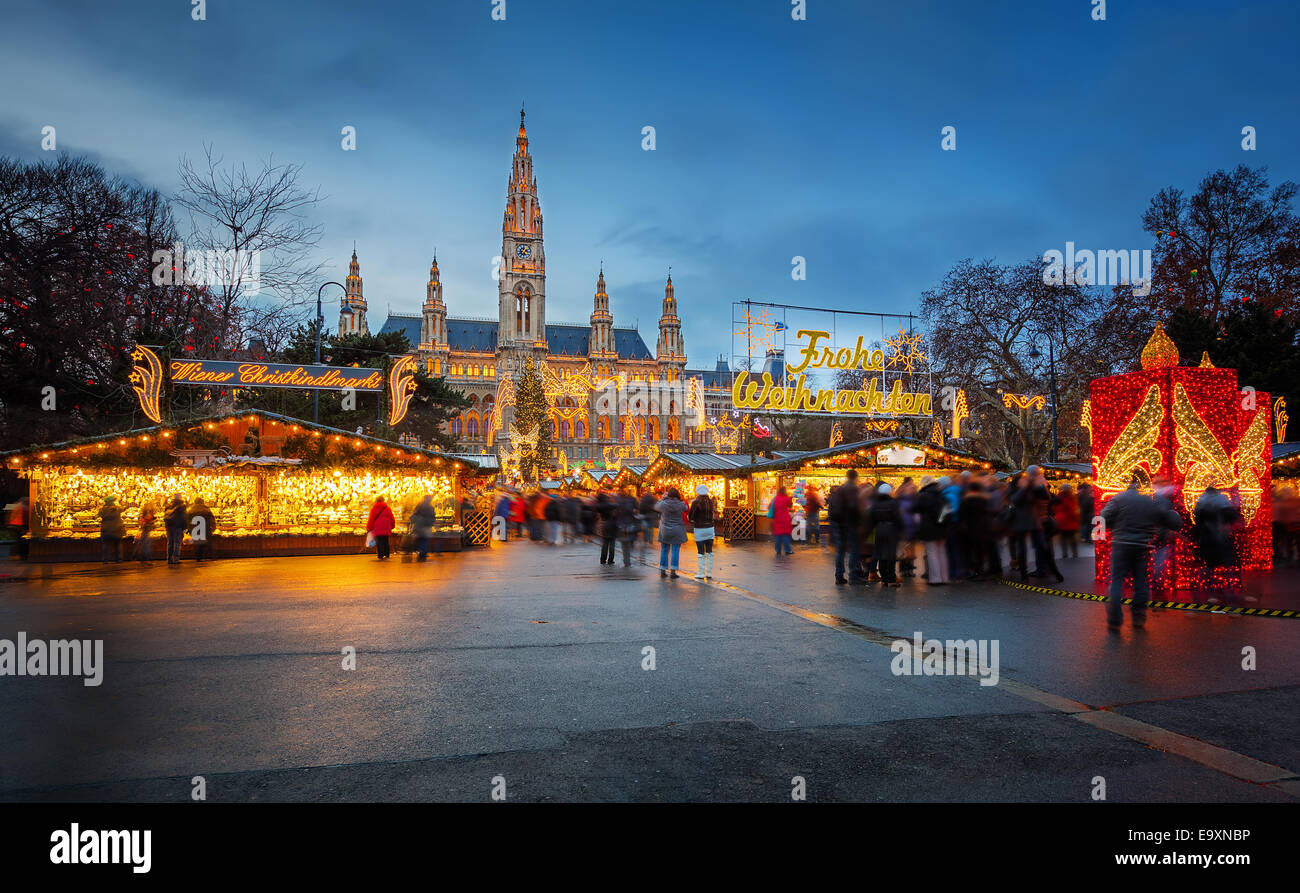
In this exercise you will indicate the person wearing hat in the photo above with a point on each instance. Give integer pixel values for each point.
(702, 518)
(111, 530)
(885, 519)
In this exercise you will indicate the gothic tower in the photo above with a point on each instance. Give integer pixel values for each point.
(522, 277)
(433, 327)
(600, 344)
(352, 309)
(670, 352)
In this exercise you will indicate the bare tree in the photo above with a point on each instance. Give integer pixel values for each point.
(985, 322)
(255, 224)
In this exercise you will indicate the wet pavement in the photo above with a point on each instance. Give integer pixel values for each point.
(529, 663)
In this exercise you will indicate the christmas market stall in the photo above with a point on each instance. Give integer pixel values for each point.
(275, 485)
(721, 473)
(1183, 430)
(629, 476)
(1286, 465)
(891, 459)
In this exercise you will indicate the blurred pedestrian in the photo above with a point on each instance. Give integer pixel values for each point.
(934, 511)
(844, 515)
(813, 508)
(202, 526)
(1087, 508)
(174, 524)
(144, 540)
(1065, 511)
(629, 525)
(1215, 519)
(607, 520)
(17, 521)
(779, 512)
(421, 523)
(111, 530)
(1131, 519)
(886, 521)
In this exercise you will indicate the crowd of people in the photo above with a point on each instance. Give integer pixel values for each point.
(619, 521)
(179, 520)
(948, 529)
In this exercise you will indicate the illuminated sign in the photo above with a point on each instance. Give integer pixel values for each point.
(900, 455)
(401, 388)
(146, 380)
(876, 398)
(275, 375)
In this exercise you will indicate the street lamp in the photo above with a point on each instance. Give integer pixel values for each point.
(1051, 365)
(320, 324)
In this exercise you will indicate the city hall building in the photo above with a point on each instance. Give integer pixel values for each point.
(483, 357)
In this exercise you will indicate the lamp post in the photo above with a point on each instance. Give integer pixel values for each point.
(320, 324)
(1051, 366)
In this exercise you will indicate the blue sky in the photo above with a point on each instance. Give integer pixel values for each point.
(775, 137)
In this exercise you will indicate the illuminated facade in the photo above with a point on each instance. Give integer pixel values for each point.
(483, 356)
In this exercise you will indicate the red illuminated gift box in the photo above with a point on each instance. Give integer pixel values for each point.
(1185, 428)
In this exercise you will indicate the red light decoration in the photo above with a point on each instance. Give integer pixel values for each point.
(1186, 428)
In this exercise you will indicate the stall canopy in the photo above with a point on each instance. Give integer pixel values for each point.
(884, 452)
(1286, 459)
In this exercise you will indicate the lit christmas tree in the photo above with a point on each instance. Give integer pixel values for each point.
(530, 416)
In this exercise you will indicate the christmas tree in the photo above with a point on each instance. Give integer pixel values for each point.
(530, 417)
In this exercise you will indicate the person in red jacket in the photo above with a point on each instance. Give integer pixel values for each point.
(379, 525)
(781, 521)
(1065, 512)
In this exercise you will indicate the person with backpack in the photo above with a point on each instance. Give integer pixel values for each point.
(702, 518)
(934, 510)
(843, 514)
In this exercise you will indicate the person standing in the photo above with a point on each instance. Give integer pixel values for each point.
(17, 522)
(672, 531)
(844, 514)
(781, 522)
(813, 507)
(111, 530)
(886, 519)
(552, 515)
(517, 512)
(423, 517)
(1131, 519)
(1065, 510)
(174, 524)
(607, 520)
(380, 525)
(976, 529)
(202, 525)
(934, 510)
(702, 519)
(144, 542)
(1087, 505)
(629, 525)
(1214, 517)
(649, 520)
(906, 498)
(1041, 534)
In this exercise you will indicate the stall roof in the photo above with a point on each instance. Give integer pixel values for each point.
(1083, 469)
(796, 460)
(1286, 457)
(13, 458)
(486, 462)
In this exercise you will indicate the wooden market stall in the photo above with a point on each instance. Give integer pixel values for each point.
(276, 485)
(724, 476)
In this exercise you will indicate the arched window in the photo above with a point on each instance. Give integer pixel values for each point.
(473, 427)
(582, 429)
(523, 308)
